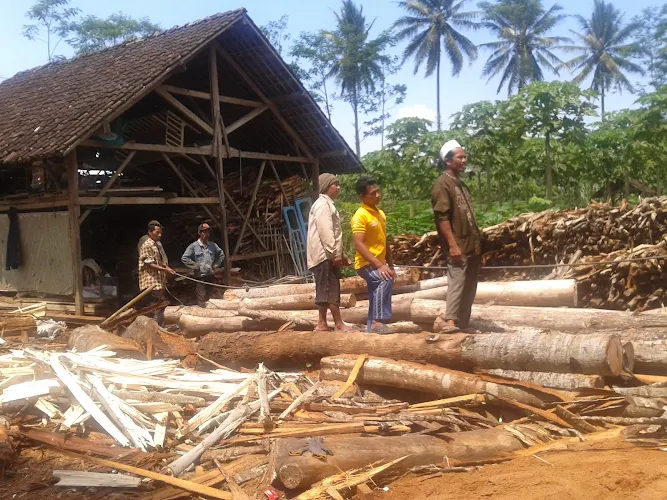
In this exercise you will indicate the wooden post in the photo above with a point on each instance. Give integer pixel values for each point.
(250, 206)
(315, 174)
(217, 140)
(74, 232)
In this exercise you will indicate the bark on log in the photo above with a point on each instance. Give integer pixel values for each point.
(352, 285)
(15, 324)
(173, 313)
(195, 326)
(422, 378)
(595, 354)
(351, 453)
(650, 356)
(228, 305)
(292, 302)
(89, 337)
(300, 322)
(145, 331)
(565, 319)
(568, 381)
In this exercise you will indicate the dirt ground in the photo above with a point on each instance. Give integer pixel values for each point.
(611, 471)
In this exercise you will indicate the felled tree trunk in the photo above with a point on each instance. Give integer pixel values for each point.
(353, 285)
(89, 337)
(567, 381)
(351, 453)
(196, 326)
(148, 334)
(173, 313)
(422, 378)
(565, 319)
(16, 324)
(292, 302)
(300, 322)
(596, 354)
(650, 356)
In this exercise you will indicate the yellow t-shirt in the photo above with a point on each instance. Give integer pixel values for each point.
(373, 224)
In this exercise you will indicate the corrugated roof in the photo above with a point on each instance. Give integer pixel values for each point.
(47, 110)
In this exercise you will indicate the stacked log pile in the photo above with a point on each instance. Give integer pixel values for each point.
(597, 233)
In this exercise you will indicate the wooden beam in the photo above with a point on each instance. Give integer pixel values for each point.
(250, 207)
(235, 153)
(38, 205)
(333, 154)
(280, 184)
(73, 211)
(273, 107)
(190, 188)
(220, 136)
(246, 118)
(289, 97)
(110, 182)
(206, 95)
(254, 255)
(156, 148)
(231, 200)
(147, 200)
(315, 174)
(184, 110)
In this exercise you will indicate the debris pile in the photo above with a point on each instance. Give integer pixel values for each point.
(597, 233)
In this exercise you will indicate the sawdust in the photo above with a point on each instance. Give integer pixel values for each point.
(611, 470)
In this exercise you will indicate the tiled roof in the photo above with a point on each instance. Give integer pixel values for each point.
(47, 110)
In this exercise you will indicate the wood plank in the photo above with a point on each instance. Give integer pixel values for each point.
(537, 411)
(246, 118)
(179, 483)
(147, 200)
(352, 377)
(280, 183)
(74, 229)
(235, 153)
(76, 478)
(184, 110)
(157, 148)
(110, 182)
(254, 255)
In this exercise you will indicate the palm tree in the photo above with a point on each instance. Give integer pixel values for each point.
(357, 61)
(604, 51)
(523, 47)
(430, 28)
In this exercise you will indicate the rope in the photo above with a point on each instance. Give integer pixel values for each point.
(547, 266)
(284, 280)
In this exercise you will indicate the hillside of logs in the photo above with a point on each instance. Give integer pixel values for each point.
(586, 237)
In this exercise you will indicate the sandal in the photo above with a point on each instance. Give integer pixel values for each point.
(450, 329)
(381, 328)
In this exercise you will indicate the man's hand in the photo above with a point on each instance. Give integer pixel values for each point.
(385, 272)
(455, 254)
(337, 263)
(347, 261)
(169, 271)
(393, 272)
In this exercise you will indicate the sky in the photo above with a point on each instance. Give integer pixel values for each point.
(19, 54)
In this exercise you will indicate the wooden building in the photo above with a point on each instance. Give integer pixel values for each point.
(93, 148)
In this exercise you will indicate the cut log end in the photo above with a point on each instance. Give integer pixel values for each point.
(291, 475)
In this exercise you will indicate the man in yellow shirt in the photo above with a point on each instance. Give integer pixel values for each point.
(373, 260)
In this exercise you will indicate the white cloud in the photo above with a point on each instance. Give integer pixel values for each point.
(416, 111)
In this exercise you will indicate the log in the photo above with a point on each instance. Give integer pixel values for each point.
(650, 356)
(351, 453)
(15, 324)
(89, 337)
(432, 379)
(148, 334)
(173, 313)
(565, 319)
(569, 381)
(594, 354)
(299, 322)
(291, 302)
(196, 326)
(228, 305)
(353, 285)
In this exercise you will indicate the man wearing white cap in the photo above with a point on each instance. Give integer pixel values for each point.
(459, 235)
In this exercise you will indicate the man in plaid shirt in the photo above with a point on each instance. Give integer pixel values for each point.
(153, 268)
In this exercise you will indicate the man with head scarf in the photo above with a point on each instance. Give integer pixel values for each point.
(459, 236)
(325, 252)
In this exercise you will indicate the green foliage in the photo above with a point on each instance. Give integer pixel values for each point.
(50, 23)
(430, 27)
(522, 48)
(652, 38)
(92, 34)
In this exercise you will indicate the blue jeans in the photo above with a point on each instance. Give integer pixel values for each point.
(379, 295)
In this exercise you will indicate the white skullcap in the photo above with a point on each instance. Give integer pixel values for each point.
(449, 146)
